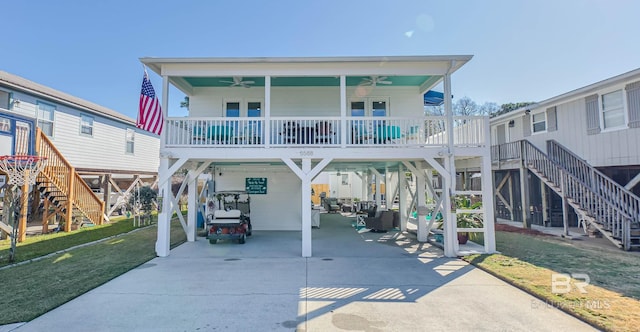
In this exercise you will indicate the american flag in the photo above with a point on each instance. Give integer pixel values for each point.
(149, 114)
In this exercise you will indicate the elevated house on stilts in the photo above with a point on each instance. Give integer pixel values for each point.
(285, 120)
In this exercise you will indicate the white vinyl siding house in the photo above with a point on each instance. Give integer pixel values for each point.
(361, 114)
(88, 135)
(594, 122)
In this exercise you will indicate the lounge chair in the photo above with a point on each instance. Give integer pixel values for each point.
(381, 223)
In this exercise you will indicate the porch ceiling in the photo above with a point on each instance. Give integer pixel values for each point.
(308, 81)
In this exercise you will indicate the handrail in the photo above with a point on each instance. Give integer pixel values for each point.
(621, 197)
(323, 131)
(612, 215)
(58, 172)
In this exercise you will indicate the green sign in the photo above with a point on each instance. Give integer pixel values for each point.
(256, 186)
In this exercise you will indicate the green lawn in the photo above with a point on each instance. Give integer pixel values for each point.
(29, 290)
(40, 245)
(611, 298)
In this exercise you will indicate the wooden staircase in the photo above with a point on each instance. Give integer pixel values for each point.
(599, 201)
(63, 188)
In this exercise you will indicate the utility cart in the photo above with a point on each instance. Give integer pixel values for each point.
(230, 218)
(227, 225)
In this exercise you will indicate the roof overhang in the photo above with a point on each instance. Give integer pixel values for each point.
(423, 72)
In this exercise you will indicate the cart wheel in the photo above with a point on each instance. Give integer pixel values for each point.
(213, 241)
(242, 239)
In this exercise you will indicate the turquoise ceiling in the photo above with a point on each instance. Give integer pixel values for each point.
(306, 81)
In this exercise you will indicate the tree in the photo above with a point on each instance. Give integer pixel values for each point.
(143, 200)
(489, 108)
(465, 106)
(434, 110)
(185, 102)
(506, 108)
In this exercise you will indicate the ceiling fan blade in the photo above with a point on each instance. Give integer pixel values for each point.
(385, 82)
(248, 82)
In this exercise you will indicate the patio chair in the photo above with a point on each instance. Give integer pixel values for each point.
(323, 132)
(331, 204)
(290, 132)
(381, 223)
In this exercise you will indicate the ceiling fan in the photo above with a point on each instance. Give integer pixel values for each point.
(374, 80)
(237, 81)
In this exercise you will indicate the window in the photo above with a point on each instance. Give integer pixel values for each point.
(5, 98)
(612, 110)
(345, 179)
(539, 122)
(86, 125)
(130, 140)
(5, 125)
(232, 109)
(45, 118)
(374, 106)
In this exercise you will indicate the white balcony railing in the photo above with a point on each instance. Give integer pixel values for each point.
(323, 131)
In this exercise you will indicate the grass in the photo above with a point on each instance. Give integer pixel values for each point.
(611, 298)
(30, 290)
(40, 245)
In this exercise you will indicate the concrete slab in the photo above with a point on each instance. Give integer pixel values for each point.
(366, 281)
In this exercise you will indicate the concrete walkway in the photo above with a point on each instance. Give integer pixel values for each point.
(354, 282)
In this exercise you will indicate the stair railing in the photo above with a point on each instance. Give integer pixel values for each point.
(62, 175)
(608, 214)
(616, 194)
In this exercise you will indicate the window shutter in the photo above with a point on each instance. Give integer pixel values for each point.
(593, 116)
(633, 99)
(526, 125)
(552, 120)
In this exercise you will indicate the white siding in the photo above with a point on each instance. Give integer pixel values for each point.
(304, 101)
(279, 209)
(607, 148)
(105, 149)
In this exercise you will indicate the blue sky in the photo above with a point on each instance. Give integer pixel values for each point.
(523, 50)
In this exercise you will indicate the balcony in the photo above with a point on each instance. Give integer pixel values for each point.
(282, 132)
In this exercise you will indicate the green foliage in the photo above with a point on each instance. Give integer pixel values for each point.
(147, 198)
(506, 108)
(185, 102)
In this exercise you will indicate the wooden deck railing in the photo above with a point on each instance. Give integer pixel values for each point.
(323, 131)
(63, 177)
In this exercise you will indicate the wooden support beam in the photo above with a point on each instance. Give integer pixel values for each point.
(68, 218)
(24, 205)
(45, 217)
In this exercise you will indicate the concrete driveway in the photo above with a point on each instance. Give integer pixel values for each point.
(354, 282)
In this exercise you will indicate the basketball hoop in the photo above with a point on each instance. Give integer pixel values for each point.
(21, 169)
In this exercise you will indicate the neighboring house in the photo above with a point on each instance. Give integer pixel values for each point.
(581, 148)
(282, 121)
(101, 146)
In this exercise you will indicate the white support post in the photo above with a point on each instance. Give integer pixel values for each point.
(423, 233)
(163, 239)
(402, 204)
(378, 196)
(343, 111)
(488, 203)
(306, 208)
(449, 186)
(306, 174)
(267, 111)
(366, 188)
(192, 204)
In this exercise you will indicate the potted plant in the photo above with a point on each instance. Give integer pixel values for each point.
(465, 220)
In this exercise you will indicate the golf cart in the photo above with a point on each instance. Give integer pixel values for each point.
(230, 219)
